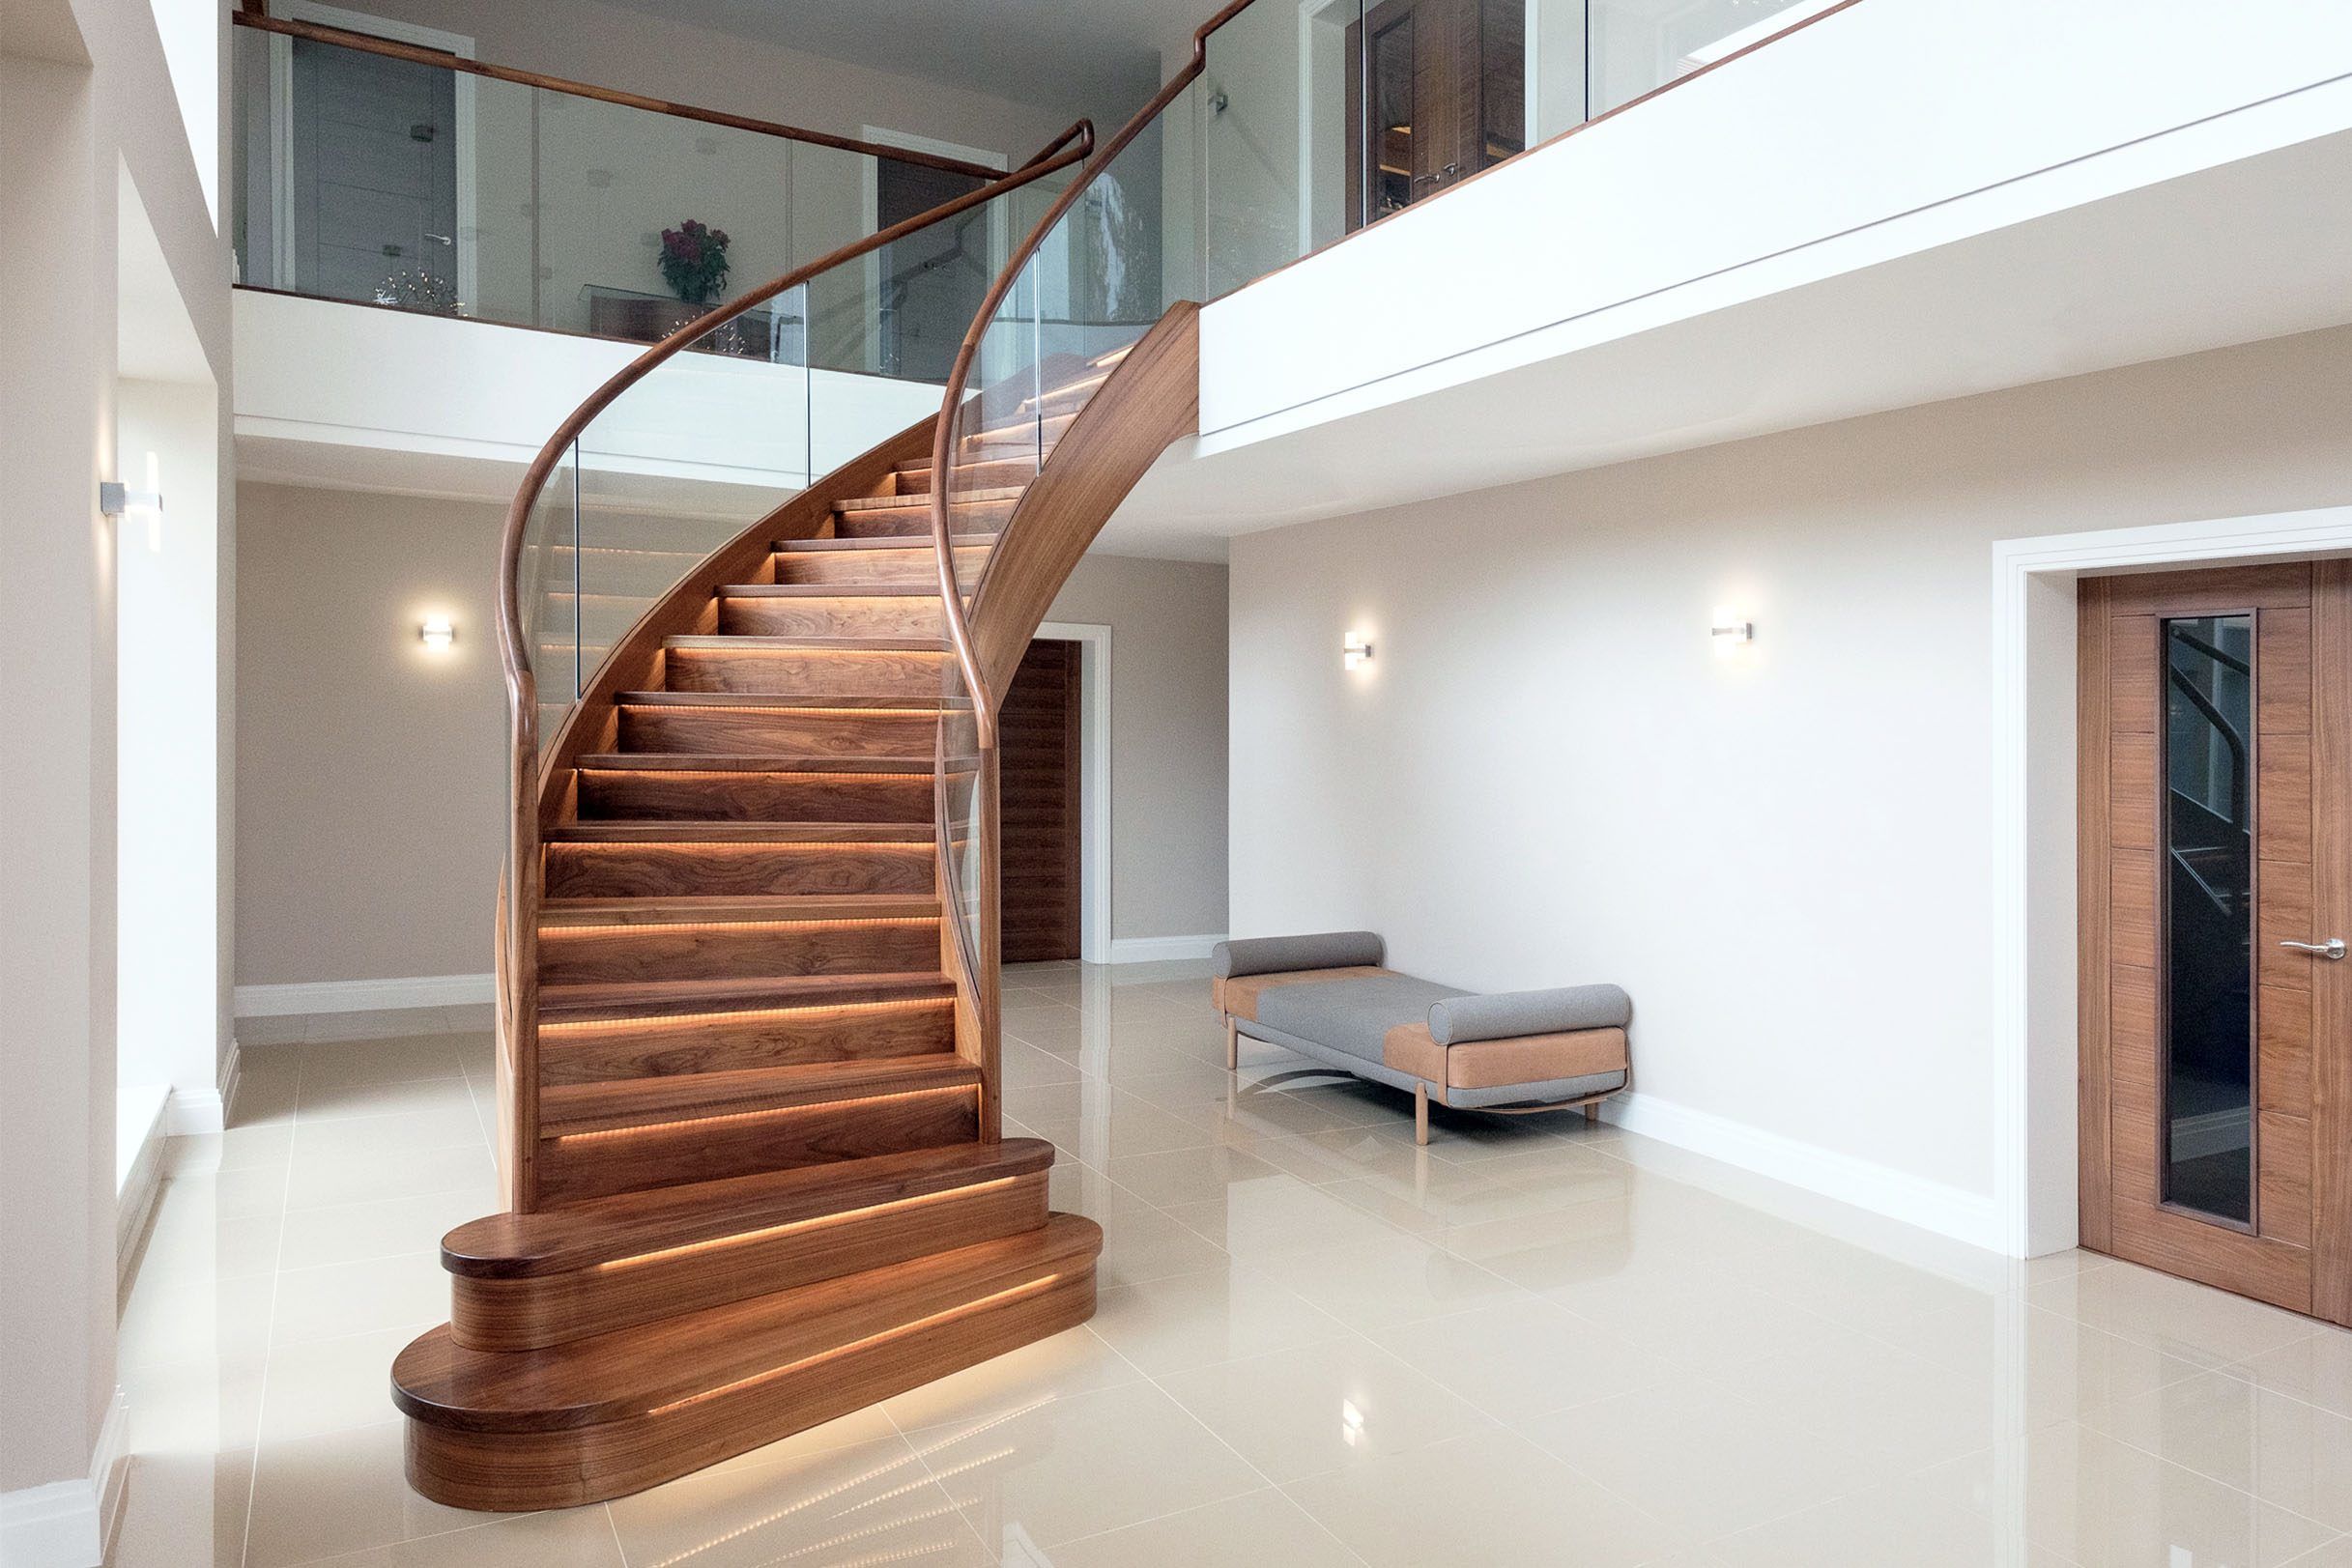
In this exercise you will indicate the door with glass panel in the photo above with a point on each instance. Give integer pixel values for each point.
(2216, 859)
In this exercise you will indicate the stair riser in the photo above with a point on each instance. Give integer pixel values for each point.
(995, 473)
(914, 522)
(581, 956)
(528, 1314)
(894, 616)
(852, 566)
(887, 734)
(736, 871)
(728, 1043)
(578, 1168)
(803, 673)
(757, 797)
(527, 1472)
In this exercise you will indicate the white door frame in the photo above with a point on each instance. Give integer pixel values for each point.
(869, 208)
(1094, 782)
(281, 130)
(2034, 918)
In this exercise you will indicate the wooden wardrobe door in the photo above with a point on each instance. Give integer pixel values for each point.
(2273, 1232)
(1038, 764)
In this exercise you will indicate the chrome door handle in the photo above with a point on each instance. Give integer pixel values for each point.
(2333, 948)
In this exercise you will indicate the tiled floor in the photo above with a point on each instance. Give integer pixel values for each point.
(1532, 1343)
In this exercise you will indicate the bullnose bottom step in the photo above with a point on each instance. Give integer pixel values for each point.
(608, 1415)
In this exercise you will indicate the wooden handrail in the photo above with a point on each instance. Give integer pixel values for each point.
(958, 624)
(420, 54)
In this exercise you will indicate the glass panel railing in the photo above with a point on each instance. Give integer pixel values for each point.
(713, 436)
(1309, 121)
(378, 174)
(1095, 283)
(709, 442)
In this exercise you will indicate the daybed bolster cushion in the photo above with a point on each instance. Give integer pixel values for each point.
(1497, 1064)
(1271, 954)
(1239, 995)
(1510, 1015)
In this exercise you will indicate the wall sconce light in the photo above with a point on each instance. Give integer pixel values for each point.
(437, 633)
(1351, 1423)
(115, 500)
(1730, 631)
(1354, 651)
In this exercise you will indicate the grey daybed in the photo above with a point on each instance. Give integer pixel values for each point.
(1328, 996)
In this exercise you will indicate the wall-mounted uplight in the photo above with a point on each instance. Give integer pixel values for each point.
(1351, 1423)
(1354, 651)
(115, 500)
(437, 633)
(1730, 630)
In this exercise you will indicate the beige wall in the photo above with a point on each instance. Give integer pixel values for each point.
(1546, 776)
(370, 771)
(371, 774)
(1167, 721)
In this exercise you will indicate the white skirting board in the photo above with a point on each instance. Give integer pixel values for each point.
(71, 1523)
(194, 1111)
(1160, 949)
(364, 995)
(1972, 1218)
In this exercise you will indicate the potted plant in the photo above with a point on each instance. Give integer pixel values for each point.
(694, 262)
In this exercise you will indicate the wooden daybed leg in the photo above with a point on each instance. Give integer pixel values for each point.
(1233, 1043)
(1421, 1114)
(1593, 1111)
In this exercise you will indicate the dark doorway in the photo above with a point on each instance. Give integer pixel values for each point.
(1039, 788)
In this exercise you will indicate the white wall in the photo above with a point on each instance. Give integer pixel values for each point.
(1546, 775)
(454, 388)
(80, 83)
(645, 51)
(1889, 108)
(170, 939)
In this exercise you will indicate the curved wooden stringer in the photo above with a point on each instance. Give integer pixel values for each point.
(765, 1185)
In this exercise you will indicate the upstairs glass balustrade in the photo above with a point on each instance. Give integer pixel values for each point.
(411, 179)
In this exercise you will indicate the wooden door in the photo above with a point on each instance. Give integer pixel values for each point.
(1038, 766)
(2215, 849)
(1440, 94)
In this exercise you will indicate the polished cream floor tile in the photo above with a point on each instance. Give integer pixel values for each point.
(1532, 1342)
(870, 1502)
(1299, 1412)
(2103, 1504)
(1079, 1465)
(1250, 1531)
(1492, 1496)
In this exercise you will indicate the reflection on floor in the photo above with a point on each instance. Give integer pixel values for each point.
(1532, 1343)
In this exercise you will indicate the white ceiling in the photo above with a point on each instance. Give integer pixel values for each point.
(2235, 254)
(1092, 56)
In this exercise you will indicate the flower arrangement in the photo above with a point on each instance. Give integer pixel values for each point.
(694, 262)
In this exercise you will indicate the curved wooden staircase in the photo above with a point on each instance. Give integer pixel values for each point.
(748, 1028)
